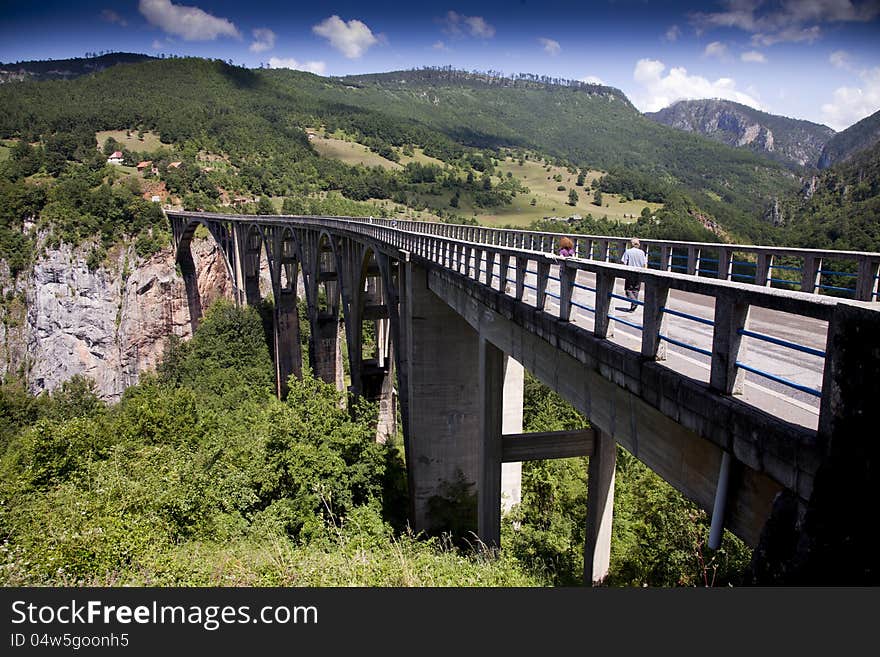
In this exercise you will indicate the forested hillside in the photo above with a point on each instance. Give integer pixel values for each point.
(200, 476)
(838, 208)
(860, 136)
(589, 125)
(253, 121)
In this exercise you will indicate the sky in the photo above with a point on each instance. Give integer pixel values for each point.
(817, 60)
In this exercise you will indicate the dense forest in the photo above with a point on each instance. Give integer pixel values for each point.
(201, 476)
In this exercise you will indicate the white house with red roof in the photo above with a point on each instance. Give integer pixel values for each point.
(115, 158)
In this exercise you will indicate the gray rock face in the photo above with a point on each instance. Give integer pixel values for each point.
(110, 324)
(781, 138)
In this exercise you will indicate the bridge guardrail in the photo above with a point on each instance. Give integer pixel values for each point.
(808, 266)
(506, 263)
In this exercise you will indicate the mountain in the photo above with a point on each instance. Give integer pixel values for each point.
(588, 125)
(791, 141)
(837, 208)
(65, 69)
(257, 119)
(845, 144)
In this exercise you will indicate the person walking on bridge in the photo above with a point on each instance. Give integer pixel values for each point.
(633, 257)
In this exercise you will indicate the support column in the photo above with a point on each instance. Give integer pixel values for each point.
(444, 409)
(191, 285)
(288, 358)
(512, 423)
(600, 508)
(324, 350)
(491, 375)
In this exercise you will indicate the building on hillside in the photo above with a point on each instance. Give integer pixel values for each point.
(115, 158)
(174, 165)
(142, 167)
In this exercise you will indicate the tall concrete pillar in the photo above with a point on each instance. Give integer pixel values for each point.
(191, 285)
(443, 398)
(512, 423)
(491, 379)
(600, 508)
(324, 350)
(288, 358)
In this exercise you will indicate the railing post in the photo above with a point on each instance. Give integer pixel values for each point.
(490, 266)
(602, 327)
(693, 265)
(665, 257)
(654, 320)
(503, 265)
(725, 263)
(731, 316)
(522, 264)
(763, 268)
(566, 287)
(810, 273)
(603, 250)
(866, 283)
(543, 277)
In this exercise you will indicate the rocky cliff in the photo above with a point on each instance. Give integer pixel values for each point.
(788, 140)
(110, 324)
(855, 139)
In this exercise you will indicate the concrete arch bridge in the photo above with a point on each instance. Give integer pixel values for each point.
(748, 377)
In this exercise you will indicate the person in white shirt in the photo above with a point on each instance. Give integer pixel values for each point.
(633, 257)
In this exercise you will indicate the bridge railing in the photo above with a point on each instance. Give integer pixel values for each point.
(560, 286)
(851, 274)
(580, 291)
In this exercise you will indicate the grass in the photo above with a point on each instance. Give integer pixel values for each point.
(538, 177)
(129, 139)
(348, 152)
(5, 149)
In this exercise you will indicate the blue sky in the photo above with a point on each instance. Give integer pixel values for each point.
(810, 59)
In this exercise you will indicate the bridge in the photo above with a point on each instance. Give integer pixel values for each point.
(747, 378)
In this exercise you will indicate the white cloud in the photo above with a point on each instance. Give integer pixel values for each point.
(753, 57)
(112, 17)
(851, 104)
(550, 46)
(264, 39)
(157, 45)
(189, 23)
(672, 33)
(439, 45)
(352, 39)
(840, 59)
(457, 25)
(659, 90)
(786, 21)
(479, 27)
(312, 67)
(716, 49)
(788, 35)
(592, 79)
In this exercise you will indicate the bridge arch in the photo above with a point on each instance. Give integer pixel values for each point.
(183, 230)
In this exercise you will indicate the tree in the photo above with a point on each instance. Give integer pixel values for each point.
(580, 180)
(264, 206)
(597, 198)
(573, 197)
